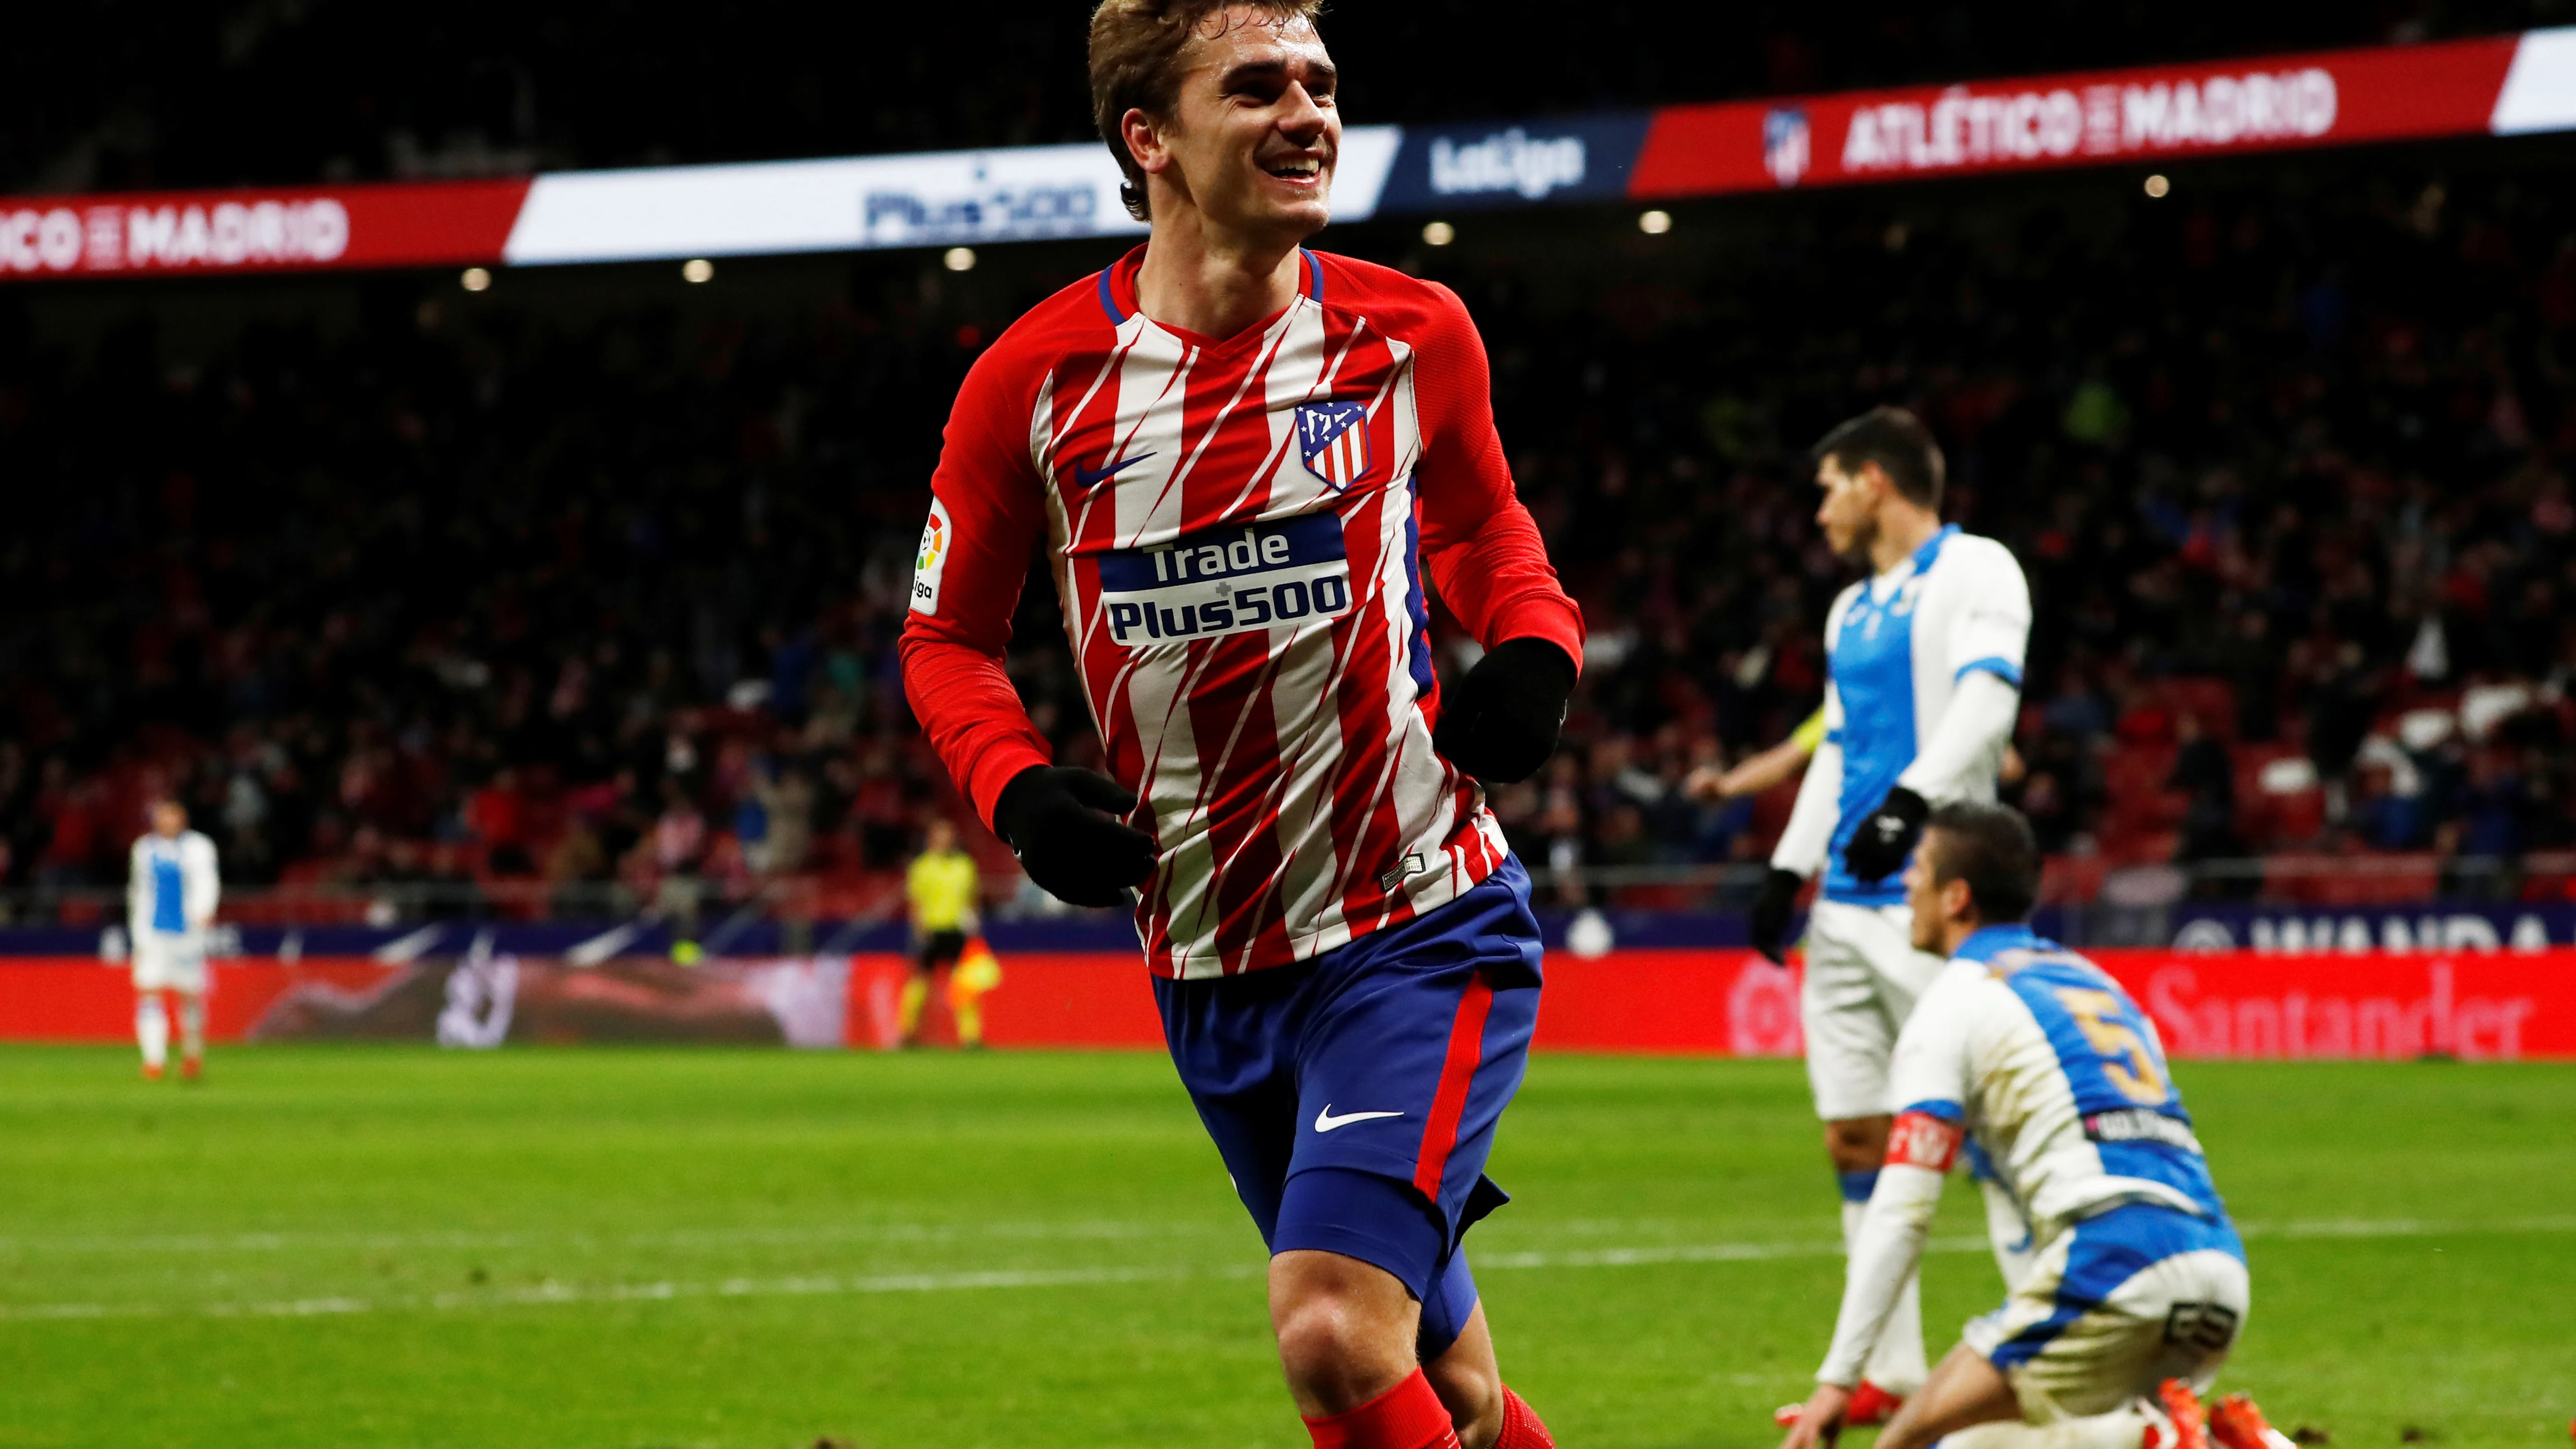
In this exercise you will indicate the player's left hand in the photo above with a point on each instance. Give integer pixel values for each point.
(1821, 1421)
(1501, 723)
(1886, 836)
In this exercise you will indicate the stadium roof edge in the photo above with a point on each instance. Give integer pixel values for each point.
(2516, 84)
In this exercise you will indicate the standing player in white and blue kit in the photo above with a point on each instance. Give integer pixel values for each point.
(170, 904)
(1923, 684)
(2135, 1286)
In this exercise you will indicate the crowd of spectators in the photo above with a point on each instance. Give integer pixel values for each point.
(425, 587)
(125, 94)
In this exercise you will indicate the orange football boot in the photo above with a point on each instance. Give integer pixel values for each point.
(2182, 1406)
(2237, 1424)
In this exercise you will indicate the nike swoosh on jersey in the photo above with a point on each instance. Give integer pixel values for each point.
(1087, 479)
(1325, 1121)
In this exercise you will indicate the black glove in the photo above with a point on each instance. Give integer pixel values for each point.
(1769, 924)
(1501, 723)
(1051, 818)
(1878, 849)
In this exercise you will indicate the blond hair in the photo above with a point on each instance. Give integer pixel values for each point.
(1136, 48)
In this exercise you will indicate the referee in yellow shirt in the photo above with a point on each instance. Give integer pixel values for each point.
(941, 888)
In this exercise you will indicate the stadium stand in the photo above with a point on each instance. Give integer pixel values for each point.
(545, 597)
(578, 594)
(122, 95)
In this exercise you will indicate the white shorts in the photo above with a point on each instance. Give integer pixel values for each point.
(1863, 976)
(2128, 1299)
(170, 961)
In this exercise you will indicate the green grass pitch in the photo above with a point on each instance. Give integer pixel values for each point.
(364, 1246)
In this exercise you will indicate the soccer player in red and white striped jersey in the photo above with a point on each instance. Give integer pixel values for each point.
(1250, 463)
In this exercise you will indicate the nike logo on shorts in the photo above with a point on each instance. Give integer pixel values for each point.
(1325, 1121)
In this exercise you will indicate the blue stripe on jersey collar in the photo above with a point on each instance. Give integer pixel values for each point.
(1314, 291)
(1931, 548)
(1991, 941)
(1916, 566)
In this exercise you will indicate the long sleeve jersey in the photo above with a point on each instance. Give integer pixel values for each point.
(1241, 532)
(1923, 682)
(171, 883)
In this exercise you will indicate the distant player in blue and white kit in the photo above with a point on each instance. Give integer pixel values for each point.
(170, 904)
(2135, 1286)
(1923, 684)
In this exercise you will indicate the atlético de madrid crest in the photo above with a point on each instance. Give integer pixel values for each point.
(1333, 439)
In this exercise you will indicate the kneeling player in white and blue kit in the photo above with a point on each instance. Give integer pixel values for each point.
(2136, 1286)
(1924, 664)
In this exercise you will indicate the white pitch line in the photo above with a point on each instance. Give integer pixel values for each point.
(551, 1292)
(2402, 1227)
(888, 1233)
(1763, 1252)
(1695, 1253)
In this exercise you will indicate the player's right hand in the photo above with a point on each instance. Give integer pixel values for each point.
(1711, 784)
(1820, 1419)
(1052, 817)
(1769, 923)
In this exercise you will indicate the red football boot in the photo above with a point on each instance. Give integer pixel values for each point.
(2237, 1424)
(1871, 1406)
(151, 1071)
(191, 1068)
(2182, 1406)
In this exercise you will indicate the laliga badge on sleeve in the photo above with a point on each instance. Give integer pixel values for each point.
(1332, 438)
(937, 539)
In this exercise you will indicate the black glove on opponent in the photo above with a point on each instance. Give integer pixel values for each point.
(1501, 723)
(1878, 849)
(1051, 817)
(1769, 923)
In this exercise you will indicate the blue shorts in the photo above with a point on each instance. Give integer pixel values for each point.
(1354, 1096)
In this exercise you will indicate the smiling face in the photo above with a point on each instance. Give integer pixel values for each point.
(1849, 511)
(1254, 132)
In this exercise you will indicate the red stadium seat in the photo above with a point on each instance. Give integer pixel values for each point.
(2072, 879)
(2211, 701)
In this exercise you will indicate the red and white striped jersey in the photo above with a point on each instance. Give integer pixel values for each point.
(1240, 530)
